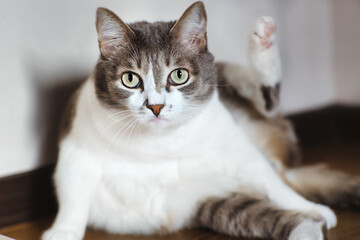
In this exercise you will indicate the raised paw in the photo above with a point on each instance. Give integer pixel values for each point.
(264, 32)
(54, 234)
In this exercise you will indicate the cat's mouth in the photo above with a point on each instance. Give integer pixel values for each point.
(158, 119)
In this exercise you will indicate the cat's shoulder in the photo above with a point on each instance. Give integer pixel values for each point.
(69, 114)
(71, 109)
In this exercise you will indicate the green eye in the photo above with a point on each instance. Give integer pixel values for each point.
(179, 76)
(130, 80)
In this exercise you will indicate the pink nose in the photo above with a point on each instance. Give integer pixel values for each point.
(156, 108)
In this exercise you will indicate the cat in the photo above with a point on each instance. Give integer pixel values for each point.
(162, 138)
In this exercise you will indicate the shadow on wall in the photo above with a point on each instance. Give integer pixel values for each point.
(34, 196)
(50, 103)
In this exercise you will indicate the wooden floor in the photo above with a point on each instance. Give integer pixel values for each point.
(345, 157)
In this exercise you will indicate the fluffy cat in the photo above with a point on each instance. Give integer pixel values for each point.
(161, 138)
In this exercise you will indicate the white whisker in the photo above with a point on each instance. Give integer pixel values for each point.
(128, 138)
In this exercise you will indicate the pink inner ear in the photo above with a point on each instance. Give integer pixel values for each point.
(108, 50)
(193, 35)
(195, 43)
(109, 46)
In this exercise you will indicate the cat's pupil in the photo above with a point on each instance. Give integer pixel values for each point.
(130, 77)
(179, 74)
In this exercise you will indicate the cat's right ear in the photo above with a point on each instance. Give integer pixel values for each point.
(113, 33)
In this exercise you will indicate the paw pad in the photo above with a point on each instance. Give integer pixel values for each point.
(264, 32)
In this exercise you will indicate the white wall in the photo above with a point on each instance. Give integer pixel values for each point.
(346, 35)
(43, 42)
(307, 54)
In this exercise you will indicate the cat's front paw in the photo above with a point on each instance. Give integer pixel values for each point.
(55, 234)
(264, 33)
(308, 230)
(326, 213)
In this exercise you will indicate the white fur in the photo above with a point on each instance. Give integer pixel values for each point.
(265, 62)
(307, 230)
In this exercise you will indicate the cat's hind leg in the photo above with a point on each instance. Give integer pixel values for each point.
(264, 65)
(249, 214)
(259, 82)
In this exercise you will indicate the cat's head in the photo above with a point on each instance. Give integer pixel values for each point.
(158, 73)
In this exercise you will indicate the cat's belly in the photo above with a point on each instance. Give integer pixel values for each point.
(148, 193)
(146, 197)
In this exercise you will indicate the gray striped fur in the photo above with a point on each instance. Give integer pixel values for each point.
(250, 215)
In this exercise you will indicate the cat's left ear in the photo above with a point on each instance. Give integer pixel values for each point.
(113, 33)
(190, 29)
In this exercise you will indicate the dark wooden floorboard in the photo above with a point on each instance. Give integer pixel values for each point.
(344, 157)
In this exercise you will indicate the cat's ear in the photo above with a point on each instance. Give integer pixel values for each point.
(190, 29)
(113, 33)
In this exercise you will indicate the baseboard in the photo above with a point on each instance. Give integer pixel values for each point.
(334, 124)
(30, 195)
(27, 196)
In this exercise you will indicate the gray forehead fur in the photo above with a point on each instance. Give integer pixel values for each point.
(153, 42)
